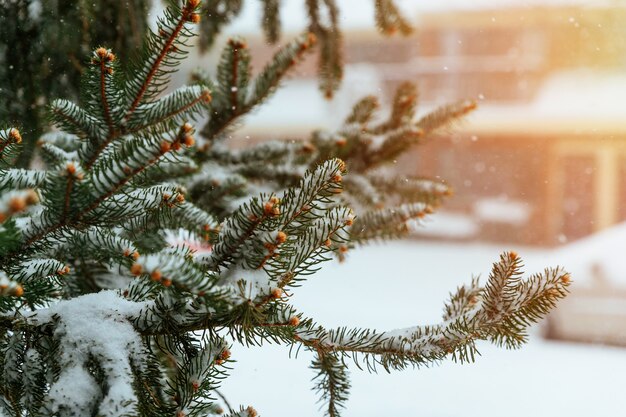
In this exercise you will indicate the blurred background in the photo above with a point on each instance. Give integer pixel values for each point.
(540, 167)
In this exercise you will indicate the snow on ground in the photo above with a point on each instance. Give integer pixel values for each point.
(404, 283)
(604, 250)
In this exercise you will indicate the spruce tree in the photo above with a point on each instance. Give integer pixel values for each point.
(145, 247)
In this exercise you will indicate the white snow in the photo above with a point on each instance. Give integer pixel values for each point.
(64, 391)
(405, 283)
(257, 282)
(446, 225)
(502, 210)
(34, 10)
(95, 324)
(181, 237)
(602, 253)
(577, 101)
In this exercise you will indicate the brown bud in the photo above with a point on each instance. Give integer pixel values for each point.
(15, 135)
(101, 52)
(165, 146)
(70, 168)
(294, 321)
(195, 385)
(189, 141)
(156, 275)
(32, 197)
(276, 293)
(18, 291)
(565, 279)
(281, 237)
(268, 208)
(187, 127)
(206, 96)
(17, 204)
(136, 269)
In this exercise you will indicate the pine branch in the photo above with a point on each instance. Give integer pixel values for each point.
(499, 312)
(330, 66)
(233, 97)
(9, 142)
(389, 20)
(333, 384)
(387, 223)
(163, 51)
(271, 20)
(217, 14)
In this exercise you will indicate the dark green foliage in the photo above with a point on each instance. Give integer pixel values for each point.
(215, 15)
(330, 66)
(332, 384)
(42, 48)
(271, 20)
(386, 201)
(235, 94)
(324, 17)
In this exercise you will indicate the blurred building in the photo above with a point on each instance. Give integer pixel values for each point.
(543, 160)
(595, 309)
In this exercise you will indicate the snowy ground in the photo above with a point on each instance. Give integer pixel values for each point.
(404, 283)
